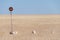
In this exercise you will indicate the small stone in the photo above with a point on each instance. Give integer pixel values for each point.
(34, 32)
(14, 32)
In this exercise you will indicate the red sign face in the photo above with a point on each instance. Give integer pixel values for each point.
(10, 8)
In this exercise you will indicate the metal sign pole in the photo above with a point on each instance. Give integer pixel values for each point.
(11, 9)
(11, 22)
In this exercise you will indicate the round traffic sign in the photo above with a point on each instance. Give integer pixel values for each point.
(10, 8)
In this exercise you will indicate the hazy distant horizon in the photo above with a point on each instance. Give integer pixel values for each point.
(30, 14)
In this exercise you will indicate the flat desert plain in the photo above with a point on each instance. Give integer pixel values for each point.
(30, 27)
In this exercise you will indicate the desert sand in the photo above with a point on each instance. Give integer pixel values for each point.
(46, 27)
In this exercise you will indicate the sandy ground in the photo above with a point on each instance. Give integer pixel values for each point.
(47, 27)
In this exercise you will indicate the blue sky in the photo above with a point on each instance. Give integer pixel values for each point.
(30, 6)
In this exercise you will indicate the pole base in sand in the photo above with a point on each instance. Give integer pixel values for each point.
(11, 33)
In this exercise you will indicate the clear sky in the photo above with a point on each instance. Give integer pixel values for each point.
(30, 6)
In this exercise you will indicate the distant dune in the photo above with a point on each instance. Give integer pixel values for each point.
(46, 27)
